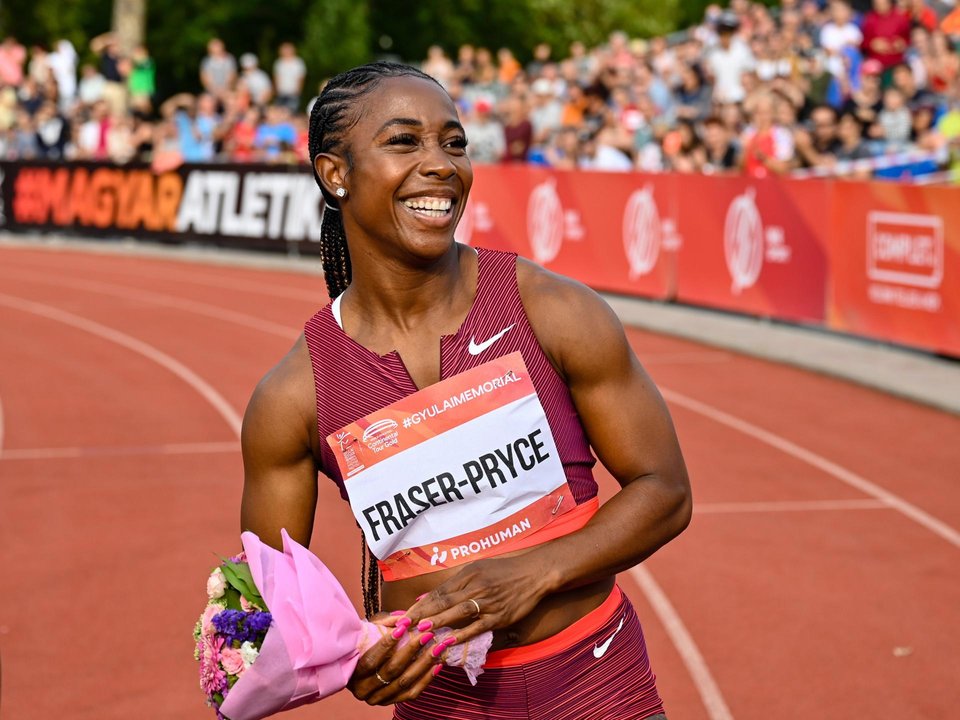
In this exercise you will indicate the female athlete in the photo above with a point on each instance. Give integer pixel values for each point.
(411, 307)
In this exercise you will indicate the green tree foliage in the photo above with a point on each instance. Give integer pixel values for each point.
(333, 35)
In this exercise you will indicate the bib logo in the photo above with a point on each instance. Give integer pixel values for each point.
(438, 556)
(645, 234)
(348, 446)
(381, 435)
(548, 224)
(746, 243)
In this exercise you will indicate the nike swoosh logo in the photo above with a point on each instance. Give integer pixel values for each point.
(477, 348)
(600, 650)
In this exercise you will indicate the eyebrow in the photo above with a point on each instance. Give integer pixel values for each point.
(450, 124)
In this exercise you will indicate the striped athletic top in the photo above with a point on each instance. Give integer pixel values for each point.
(352, 381)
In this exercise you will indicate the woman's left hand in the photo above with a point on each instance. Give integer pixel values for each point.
(505, 590)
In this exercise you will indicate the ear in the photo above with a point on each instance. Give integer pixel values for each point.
(331, 169)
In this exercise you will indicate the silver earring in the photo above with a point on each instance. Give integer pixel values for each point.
(341, 192)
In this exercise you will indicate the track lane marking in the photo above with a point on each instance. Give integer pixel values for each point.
(56, 453)
(720, 508)
(690, 654)
(163, 299)
(848, 477)
(201, 386)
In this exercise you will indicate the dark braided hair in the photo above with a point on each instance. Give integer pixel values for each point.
(333, 114)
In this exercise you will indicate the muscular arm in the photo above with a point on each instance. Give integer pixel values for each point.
(280, 476)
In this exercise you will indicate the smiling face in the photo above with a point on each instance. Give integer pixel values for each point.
(405, 169)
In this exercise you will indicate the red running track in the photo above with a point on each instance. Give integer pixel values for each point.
(819, 577)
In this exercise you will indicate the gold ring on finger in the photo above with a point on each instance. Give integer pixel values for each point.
(385, 682)
(476, 605)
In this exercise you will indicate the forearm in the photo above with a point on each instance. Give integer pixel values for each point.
(638, 520)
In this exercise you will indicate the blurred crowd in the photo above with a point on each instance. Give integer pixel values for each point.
(824, 87)
(830, 88)
(108, 109)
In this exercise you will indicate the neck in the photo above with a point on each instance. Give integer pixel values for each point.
(404, 295)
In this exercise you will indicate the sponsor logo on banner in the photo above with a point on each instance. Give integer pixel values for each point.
(905, 259)
(548, 224)
(476, 218)
(746, 243)
(645, 234)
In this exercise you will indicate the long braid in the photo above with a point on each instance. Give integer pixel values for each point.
(333, 114)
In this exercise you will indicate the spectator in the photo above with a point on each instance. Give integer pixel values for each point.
(541, 58)
(596, 155)
(921, 15)
(767, 147)
(915, 97)
(197, 125)
(850, 133)
(720, 151)
(838, 34)
(818, 146)
(92, 137)
(276, 135)
(895, 120)
(867, 100)
(485, 135)
(24, 145)
(886, 34)
(29, 96)
(12, 57)
(289, 72)
(546, 113)
(692, 96)
(254, 80)
(107, 47)
(63, 67)
(517, 129)
(53, 133)
(39, 67)
(729, 61)
(563, 151)
(240, 141)
(218, 70)
(466, 64)
(509, 67)
(683, 151)
(439, 66)
(142, 80)
(92, 83)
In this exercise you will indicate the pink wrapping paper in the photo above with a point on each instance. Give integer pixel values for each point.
(316, 638)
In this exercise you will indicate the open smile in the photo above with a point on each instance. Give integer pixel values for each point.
(432, 207)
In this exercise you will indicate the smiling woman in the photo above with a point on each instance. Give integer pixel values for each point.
(525, 365)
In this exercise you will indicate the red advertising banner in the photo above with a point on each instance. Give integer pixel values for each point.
(613, 231)
(895, 253)
(754, 246)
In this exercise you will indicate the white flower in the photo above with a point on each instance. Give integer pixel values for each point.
(249, 653)
(216, 584)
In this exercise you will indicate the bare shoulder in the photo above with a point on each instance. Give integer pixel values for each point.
(282, 409)
(572, 323)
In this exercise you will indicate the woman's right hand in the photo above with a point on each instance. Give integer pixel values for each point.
(398, 667)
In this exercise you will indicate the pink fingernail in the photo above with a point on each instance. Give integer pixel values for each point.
(438, 650)
(437, 669)
(425, 638)
(424, 625)
(399, 632)
(399, 612)
(421, 597)
(447, 642)
(404, 621)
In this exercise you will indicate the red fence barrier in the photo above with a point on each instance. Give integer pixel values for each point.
(874, 259)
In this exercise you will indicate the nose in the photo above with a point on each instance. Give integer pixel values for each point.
(437, 163)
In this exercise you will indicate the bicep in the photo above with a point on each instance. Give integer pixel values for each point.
(623, 413)
(280, 476)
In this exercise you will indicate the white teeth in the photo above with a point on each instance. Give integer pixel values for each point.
(434, 207)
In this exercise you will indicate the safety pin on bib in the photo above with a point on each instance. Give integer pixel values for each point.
(559, 500)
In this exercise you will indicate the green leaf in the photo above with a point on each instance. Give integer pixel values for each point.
(239, 577)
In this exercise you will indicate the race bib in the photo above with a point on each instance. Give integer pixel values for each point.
(455, 472)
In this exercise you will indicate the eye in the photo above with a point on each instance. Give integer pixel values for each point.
(457, 143)
(402, 139)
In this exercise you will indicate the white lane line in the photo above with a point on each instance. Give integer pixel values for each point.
(788, 506)
(694, 357)
(709, 691)
(193, 306)
(57, 453)
(921, 517)
(203, 388)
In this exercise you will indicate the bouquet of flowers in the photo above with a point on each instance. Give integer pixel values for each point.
(280, 632)
(231, 630)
